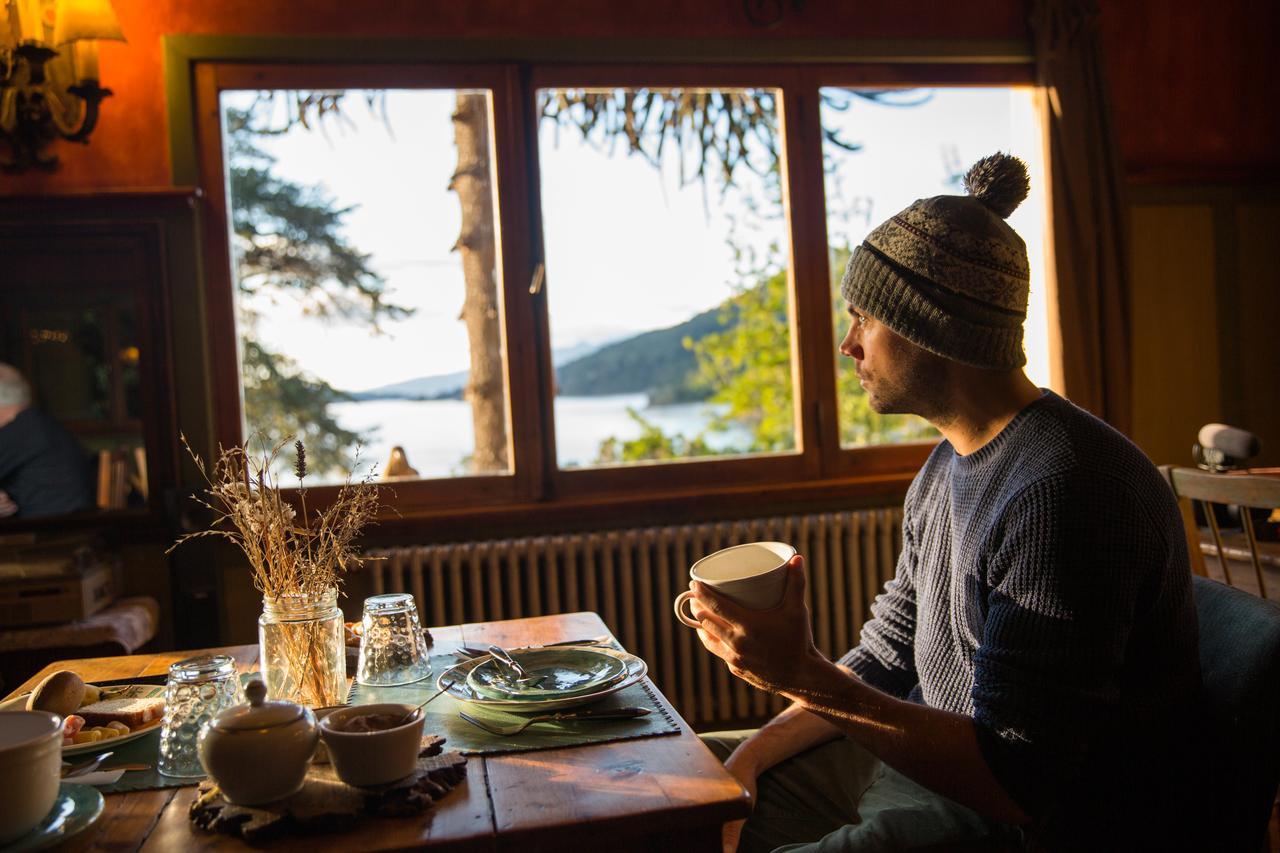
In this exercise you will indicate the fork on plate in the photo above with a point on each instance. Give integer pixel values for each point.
(517, 728)
(604, 640)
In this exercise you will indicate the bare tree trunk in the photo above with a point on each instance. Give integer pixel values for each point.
(471, 181)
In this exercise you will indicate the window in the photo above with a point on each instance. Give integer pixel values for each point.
(362, 230)
(666, 254)
(660, 310)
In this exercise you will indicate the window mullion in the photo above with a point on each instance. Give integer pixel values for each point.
(813, 342)
(514, 126)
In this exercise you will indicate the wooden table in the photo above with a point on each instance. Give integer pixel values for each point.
(656, 793)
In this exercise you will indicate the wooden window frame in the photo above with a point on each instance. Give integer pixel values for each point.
(818, 470)
(512, 251)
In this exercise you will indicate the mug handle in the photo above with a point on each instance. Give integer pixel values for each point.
(681, 600)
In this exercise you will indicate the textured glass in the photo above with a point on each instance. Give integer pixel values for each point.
(198, 688)
(302, 649)
(392, 648)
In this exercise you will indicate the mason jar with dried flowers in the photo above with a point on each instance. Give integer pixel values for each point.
(298, 560)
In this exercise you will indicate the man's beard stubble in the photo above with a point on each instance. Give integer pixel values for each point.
(918, 385)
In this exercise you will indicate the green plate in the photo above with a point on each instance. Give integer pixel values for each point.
(75, 810)
(560, 673)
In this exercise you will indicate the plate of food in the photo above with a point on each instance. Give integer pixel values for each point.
(93, 716)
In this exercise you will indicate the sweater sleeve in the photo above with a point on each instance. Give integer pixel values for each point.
(1065, 578)
(885, 654)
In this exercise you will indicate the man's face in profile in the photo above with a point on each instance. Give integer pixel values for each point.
(897, 376)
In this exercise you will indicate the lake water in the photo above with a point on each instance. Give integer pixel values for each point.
(436, 434)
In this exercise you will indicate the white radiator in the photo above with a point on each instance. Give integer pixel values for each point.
(630, 577)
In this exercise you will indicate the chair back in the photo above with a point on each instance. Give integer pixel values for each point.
(1209, 489)
(1240, 668)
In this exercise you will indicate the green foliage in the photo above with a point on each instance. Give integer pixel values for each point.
(652, 445)
(747, 367)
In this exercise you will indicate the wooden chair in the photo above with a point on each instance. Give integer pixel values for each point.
(1239, 658)
(1209, 489)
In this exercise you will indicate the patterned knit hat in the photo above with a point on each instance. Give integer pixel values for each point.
(948, 273)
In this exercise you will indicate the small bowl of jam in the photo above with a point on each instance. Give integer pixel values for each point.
(372, 745)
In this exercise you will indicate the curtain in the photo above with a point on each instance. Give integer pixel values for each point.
(1089, 283)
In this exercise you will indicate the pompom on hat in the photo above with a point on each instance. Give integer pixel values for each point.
(948, 273)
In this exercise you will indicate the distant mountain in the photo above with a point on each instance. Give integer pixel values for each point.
(438, 387)
(446, 386)
(654, 362)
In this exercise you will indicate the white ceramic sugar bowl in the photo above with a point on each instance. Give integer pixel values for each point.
(259, 752)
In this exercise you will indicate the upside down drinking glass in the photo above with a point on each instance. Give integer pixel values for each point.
(197, 689)
(392, 648)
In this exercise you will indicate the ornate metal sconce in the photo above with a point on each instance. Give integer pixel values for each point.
(49, 76)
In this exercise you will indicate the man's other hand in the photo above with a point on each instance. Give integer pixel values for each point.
(7, 506)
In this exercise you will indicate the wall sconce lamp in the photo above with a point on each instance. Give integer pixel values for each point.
(49, 76)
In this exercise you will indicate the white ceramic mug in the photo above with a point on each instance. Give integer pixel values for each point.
(31, 767)
(753, 575)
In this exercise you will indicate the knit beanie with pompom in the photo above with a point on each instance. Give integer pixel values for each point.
(948, 273)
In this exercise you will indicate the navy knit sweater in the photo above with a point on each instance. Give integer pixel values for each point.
(1043, 589)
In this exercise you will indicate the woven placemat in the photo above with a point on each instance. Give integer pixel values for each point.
(442, 717)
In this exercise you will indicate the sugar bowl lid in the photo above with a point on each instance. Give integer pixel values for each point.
(259, 713)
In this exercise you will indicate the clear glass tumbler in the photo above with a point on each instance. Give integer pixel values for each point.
(392, 648)
(197, 689)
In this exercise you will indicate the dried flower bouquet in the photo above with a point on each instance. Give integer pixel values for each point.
(297, 559)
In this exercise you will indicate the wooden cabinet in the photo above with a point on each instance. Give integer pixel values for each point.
(85, 314)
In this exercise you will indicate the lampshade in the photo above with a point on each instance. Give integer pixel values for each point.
(86, 19)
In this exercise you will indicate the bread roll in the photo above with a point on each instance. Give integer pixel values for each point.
(60, 693)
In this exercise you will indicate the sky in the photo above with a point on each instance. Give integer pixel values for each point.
(627, 248)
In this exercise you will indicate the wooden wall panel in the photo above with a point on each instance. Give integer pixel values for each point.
(1257, 371)
(1188, 79)
(1175, 341)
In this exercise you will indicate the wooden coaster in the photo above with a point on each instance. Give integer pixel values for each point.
(325, 802)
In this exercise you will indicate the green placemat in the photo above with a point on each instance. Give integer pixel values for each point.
(442, 717)
(144, 750)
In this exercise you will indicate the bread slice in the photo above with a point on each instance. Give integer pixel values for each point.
(131, 712)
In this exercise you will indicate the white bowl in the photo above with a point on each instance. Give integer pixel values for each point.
(30, 765)
(373, 758)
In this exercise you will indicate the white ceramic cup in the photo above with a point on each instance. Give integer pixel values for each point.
(752, 575)
(31, 767)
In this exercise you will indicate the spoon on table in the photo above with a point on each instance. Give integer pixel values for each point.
(408, 715)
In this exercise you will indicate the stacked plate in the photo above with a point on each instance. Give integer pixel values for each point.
(558, 677)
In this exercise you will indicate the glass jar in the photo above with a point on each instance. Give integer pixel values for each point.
(302, 649)
(198, 690)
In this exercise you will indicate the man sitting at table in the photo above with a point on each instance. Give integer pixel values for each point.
(1029, 676)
